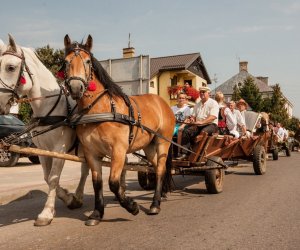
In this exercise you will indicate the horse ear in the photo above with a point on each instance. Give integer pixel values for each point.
(89, 43)
(12, 43)
(67, 41)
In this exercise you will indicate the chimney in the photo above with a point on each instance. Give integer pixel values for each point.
(244, 66)
(264, 79)
(129, 51)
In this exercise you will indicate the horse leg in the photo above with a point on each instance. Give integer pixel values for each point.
(52, 170)
(158, 155)
(96, 169)
(117, 182)
(77, 198)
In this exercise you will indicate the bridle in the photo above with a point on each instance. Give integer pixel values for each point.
(15, 96)
(88, 75)
(23, 68)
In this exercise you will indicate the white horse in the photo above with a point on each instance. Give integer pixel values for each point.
(23, 74)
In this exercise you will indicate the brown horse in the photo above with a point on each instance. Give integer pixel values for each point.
(124, 130)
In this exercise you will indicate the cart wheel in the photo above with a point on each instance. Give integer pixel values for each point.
(214, 178)
(147, 180)
(259, 160)
(287, 151)
(275, 154)
(8, 159)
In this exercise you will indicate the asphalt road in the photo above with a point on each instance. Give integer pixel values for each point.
(252, 212)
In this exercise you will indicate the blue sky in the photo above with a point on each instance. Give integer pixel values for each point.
(263, 32)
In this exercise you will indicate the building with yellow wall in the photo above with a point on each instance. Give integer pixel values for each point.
(169, 73)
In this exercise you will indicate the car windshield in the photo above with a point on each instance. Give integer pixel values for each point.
(10, 120)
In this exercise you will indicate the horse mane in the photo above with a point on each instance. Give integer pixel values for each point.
(112, 88)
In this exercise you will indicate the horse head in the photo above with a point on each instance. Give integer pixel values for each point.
(78, 66)
(13, 74)
(264, 121)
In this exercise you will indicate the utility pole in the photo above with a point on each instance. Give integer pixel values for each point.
(215, 80)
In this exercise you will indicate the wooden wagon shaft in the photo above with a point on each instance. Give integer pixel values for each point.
(41, 152)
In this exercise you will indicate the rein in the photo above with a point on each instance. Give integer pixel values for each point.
(28, 100)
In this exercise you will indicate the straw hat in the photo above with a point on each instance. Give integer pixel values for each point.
(242, 102)
(204, 87)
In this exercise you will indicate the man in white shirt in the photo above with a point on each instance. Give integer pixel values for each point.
(203, 118)
(280, 132)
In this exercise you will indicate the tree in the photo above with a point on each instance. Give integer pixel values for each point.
(52, 59)
(278, 110)
(267, 105)
(293, 124)
(25, 112)
(250, 93)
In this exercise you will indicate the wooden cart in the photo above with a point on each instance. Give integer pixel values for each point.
(208, 158)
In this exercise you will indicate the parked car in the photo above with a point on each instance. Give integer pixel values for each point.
(10, 124)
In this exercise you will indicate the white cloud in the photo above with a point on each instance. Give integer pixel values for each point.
(291, 8)
(257, 28)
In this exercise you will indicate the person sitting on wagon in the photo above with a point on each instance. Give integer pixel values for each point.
(242, 107)
(234, 119)
(280, 132)
(219, 97)
(181, 111)
(204, 118)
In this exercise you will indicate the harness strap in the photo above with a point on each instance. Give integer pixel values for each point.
(48, 120)
(131, 115)
(117, 117)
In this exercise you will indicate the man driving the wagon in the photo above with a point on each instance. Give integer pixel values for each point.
(204, 118)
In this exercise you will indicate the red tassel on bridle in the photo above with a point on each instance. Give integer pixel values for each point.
(22, 79)
(60, 74)
(92, 86)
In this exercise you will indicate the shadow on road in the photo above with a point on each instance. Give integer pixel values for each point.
(28, 206)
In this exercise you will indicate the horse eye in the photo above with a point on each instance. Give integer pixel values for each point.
(88, 61)
(10, 68)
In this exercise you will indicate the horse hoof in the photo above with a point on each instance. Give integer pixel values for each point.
(135, 209)
(92, 222)
(42, 222)
(75, 203)
(154, 211)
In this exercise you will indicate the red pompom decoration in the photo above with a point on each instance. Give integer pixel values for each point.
(22, 80)
(92, 86)
(60, 74)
